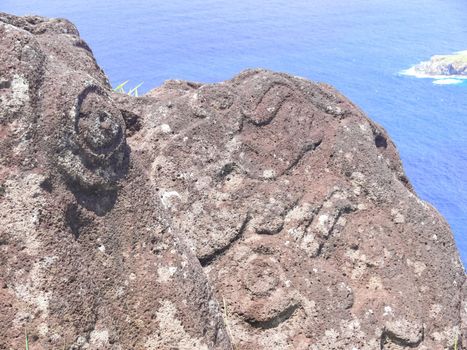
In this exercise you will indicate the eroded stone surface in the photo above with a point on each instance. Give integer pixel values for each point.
(88, 259)
(298, 208)
(118, 214)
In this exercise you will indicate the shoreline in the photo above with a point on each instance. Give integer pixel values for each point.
(413, 72)
(441, 67)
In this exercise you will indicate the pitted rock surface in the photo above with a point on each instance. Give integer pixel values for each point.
(264, 212)
(297, 206)
(88, 259)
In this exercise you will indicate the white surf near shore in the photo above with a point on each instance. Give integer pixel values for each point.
(443, 64)
(448, 81)
(437, 79)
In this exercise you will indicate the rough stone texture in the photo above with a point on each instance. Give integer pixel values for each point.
(294, 203)
(88, 260)
(299, 211)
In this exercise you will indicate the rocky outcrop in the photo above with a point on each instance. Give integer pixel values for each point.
(88, 259)
(300, 213)
(264, 212)
(442, 65)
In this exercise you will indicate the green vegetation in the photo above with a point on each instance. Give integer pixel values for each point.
(132, 92)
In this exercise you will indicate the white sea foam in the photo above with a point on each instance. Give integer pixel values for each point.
(417, 74)
(437, 79)
(448, 81)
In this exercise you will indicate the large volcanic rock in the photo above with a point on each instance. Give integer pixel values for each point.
(87, 259)
(118, 214)
(299, 211)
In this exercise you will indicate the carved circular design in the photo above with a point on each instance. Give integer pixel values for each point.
(98, 124)
(93, 152)
(262, 278)
(261, 294)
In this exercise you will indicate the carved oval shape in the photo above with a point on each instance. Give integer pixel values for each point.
(262, 278)
(99, 126)
(93, 150)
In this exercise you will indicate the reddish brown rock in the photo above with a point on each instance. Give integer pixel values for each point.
(298, 208)
(119, 213)
(88, 260)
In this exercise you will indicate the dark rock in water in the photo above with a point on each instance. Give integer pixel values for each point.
(130, 223)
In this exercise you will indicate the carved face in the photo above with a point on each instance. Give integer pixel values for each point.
(98, 131)
(94, 147)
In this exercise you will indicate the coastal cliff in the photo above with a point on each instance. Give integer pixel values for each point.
(263, 212)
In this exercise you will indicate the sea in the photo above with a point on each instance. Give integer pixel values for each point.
(359, 46)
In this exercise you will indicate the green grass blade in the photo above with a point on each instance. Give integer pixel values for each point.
(119, 88)
(27, 340)
(134, 91)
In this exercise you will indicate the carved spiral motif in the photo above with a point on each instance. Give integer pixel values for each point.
(261, 292)
(94, 153)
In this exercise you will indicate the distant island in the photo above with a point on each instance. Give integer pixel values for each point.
(441, 66)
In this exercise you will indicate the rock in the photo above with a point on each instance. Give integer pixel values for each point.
(88, 258)
(332, 248)
(127, 221)
(442, 65)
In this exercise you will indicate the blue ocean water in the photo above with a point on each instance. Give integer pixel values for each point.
(359, 46)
